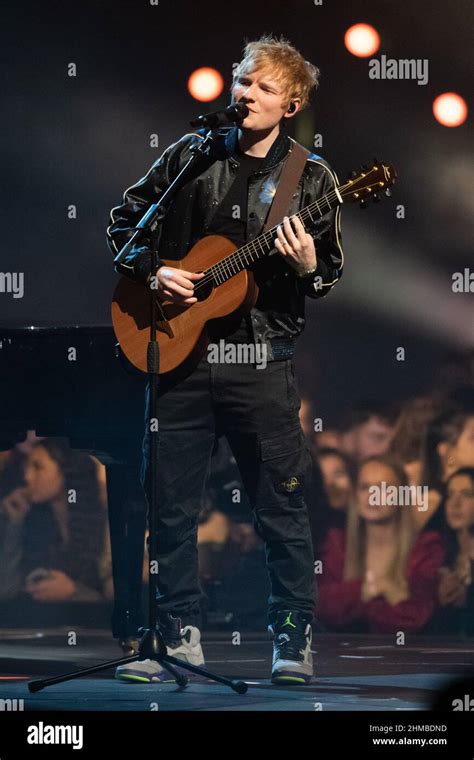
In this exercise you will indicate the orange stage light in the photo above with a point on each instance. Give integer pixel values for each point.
(362, 40)
(450, 109)
(205, 84)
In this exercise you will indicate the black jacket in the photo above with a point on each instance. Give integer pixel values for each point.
(279, 314)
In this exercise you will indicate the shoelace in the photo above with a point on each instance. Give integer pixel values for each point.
(290, 646)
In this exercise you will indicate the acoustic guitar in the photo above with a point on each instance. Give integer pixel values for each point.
(228, 285)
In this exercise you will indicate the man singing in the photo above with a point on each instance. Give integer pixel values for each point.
(255, 407)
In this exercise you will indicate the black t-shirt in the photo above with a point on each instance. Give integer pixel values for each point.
(230, 220)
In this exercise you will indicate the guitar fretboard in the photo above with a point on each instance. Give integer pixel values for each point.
(262, 245)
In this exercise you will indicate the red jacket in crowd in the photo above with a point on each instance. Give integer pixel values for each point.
(340, 604)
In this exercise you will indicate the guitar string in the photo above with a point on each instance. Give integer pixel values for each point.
(223, 267)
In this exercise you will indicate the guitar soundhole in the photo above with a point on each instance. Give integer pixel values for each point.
(203, 291)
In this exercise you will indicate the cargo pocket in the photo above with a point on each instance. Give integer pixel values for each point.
(285, 466)
(285, 461)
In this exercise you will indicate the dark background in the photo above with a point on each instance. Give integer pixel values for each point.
(82, 140)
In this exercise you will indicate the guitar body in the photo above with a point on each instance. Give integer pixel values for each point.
(182, 334)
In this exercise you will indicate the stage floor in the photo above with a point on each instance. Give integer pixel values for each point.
(352, 673)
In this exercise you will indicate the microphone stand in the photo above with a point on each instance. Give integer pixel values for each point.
(152, 645)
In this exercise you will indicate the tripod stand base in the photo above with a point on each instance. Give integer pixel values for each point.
(152, 647)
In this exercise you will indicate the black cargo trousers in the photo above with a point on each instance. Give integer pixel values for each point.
(256, 408)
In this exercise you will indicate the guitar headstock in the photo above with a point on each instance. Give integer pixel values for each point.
(369, 182)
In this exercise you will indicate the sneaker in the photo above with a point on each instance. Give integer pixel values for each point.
(183, 643)
(292, 657)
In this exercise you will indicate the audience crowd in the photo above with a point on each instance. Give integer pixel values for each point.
(391, 506)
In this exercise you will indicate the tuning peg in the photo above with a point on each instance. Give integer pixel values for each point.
(363, 204)
(352, 174)
(376, 161)
(376, 198)
(388, 192)
(364, 167)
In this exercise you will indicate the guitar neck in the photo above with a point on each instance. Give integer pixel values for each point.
(262, 245)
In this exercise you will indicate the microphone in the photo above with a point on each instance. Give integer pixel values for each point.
(233, 113)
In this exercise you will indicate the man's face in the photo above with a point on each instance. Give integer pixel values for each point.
(372, 438)
(264, 96)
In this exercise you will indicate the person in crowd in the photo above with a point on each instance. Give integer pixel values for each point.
(409, 433)
(408, 445)
(338, 473)
(378, 576)
(12, 463)
(368, 431)
(448, 445)
(456, 577)
(328, 438)
(53, 529)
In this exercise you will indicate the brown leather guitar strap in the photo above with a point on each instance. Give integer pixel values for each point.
(289, 178)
